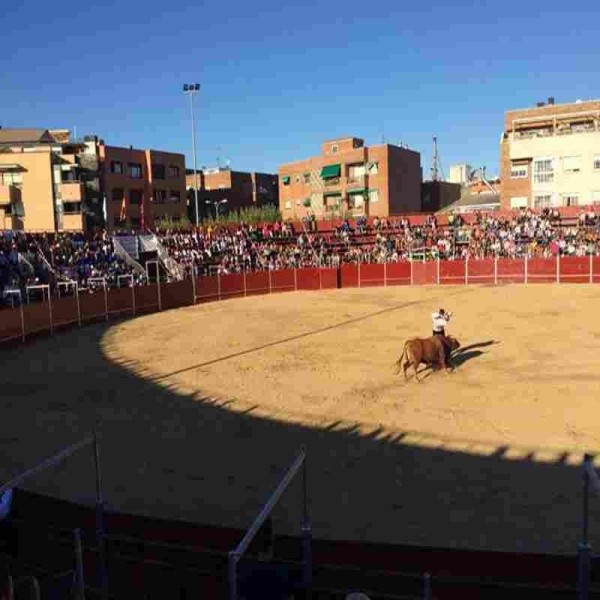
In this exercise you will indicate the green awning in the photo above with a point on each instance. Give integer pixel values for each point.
(357, 191)
(331, 171)
(332, 194)
(286, 179)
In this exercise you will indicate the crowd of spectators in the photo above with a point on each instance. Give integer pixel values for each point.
(30, 259)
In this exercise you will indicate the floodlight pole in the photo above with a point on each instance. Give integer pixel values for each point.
(191, 89)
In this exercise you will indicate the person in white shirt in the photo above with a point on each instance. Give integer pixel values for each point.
(440, 319)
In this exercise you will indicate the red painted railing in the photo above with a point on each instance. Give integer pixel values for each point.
(56, 313)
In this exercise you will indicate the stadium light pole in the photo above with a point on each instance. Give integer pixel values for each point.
(191, 89)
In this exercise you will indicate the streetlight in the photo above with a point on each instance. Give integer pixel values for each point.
(191, 89)
(216, 204)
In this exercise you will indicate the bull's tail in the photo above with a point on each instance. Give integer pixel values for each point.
(398, 363)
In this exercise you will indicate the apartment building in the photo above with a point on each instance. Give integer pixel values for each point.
(141, 187)
(550, 155)
(221, 189)
(349, 179)
(47, 182)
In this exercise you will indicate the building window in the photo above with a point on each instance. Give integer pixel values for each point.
(570, 199)
(11, 178)
(135, 221)
(542, 201)
(334, 148)
(595, 197)
(118, 194)
(158, 171)
(298, 179)
(373, 168)
(116, 167)
(288, 205)
(174, 197)
(543, 170)
(135, 170)
(356, 172)
(519, 171)
(135, 196)
(173, 171)
(571, 164)
(373, 196)
(306, 177)
(518, 202)
(285, 180)
(597, 161)
(72, 208)
(160, 196)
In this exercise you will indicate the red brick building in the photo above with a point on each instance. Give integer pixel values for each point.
(349, 179)
(137, 183)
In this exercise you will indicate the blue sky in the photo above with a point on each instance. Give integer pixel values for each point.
(278, 79)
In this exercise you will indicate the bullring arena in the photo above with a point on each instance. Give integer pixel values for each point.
(202, 407)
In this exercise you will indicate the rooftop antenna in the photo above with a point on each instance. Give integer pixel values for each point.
(435, 167)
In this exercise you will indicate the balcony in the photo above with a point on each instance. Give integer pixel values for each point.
(71, 191)
(10, 194)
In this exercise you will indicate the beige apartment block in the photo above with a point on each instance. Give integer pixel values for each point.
(349, 179)
(550, 156)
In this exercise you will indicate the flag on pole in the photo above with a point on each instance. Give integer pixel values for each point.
(123, 215)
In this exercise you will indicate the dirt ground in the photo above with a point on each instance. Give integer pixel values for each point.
(202, 408)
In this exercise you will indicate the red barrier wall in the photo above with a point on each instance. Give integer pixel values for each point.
(575, 269)
(511, 270)
(541, 270)
(452, 272)
(283, 281)
(371, 275)
(93, 307)
(258, 283)
(308, 279)
(596, 269)
(10, 324)
(64, 311)
(398, 273)
(232, 285)
(146, 298)
(329, 279)
(120, 301)
(207, 289)
(176, 294)
(480, 271)
(349, 276)
(424, 273)
(37, 317)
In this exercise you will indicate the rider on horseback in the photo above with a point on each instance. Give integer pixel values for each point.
(440, 319)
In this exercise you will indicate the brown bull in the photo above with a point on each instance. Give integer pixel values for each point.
(432, 351)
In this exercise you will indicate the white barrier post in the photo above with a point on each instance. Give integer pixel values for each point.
(558, 268)
(22, 320)
(496, 271)
(78, 306)
(50, 311)
(526, 269)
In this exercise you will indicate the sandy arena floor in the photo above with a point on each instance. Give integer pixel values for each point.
(202, 408)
